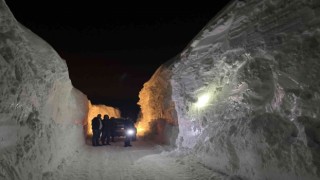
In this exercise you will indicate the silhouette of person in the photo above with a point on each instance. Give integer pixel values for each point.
(105, 130)
(129, 131)
(96, 126)
(112, 128)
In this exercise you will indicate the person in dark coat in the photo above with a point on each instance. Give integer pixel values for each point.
(105, 130)
(129, 131)
(112, 128)
(96, 125)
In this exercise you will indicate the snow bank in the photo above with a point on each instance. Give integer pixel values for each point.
(158, 119)
(247, 91)
(41, 114)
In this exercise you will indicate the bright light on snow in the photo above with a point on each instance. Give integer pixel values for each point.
(202, 100)
(130, 132)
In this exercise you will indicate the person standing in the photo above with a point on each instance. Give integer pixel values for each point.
(96, 126)
(129, 131)
(112, 128)
(105, 130)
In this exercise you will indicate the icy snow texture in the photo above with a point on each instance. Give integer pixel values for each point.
(158, 118)
(41, 114)
(258, 61)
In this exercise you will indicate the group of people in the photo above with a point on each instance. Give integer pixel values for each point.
(104, 129)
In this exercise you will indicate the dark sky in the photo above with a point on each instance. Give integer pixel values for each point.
(112, 48)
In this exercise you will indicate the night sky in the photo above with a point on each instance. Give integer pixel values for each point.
(112, 49)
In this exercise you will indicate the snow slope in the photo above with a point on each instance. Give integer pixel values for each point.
(158, 119)
(255, 66)
(41, 114)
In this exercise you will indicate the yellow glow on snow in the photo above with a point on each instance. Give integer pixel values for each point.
(140, 130)
(203, 100)
(94, 110)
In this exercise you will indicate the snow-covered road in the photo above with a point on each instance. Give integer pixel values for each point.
(144, 160)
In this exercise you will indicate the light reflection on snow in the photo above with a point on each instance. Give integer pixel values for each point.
(203, 100)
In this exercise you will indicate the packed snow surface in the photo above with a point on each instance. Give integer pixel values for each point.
(144, 161)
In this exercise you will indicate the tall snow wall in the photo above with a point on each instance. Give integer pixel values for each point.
(158, 117)
(41, 114)
(247, 91)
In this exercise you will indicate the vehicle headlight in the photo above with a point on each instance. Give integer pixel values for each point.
(130, 132)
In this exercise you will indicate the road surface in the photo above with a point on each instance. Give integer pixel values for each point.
(143, 161)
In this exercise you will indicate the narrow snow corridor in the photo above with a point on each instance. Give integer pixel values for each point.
(241, 102)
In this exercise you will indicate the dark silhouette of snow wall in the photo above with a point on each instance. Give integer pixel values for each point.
(246, 91)
(41, 114)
